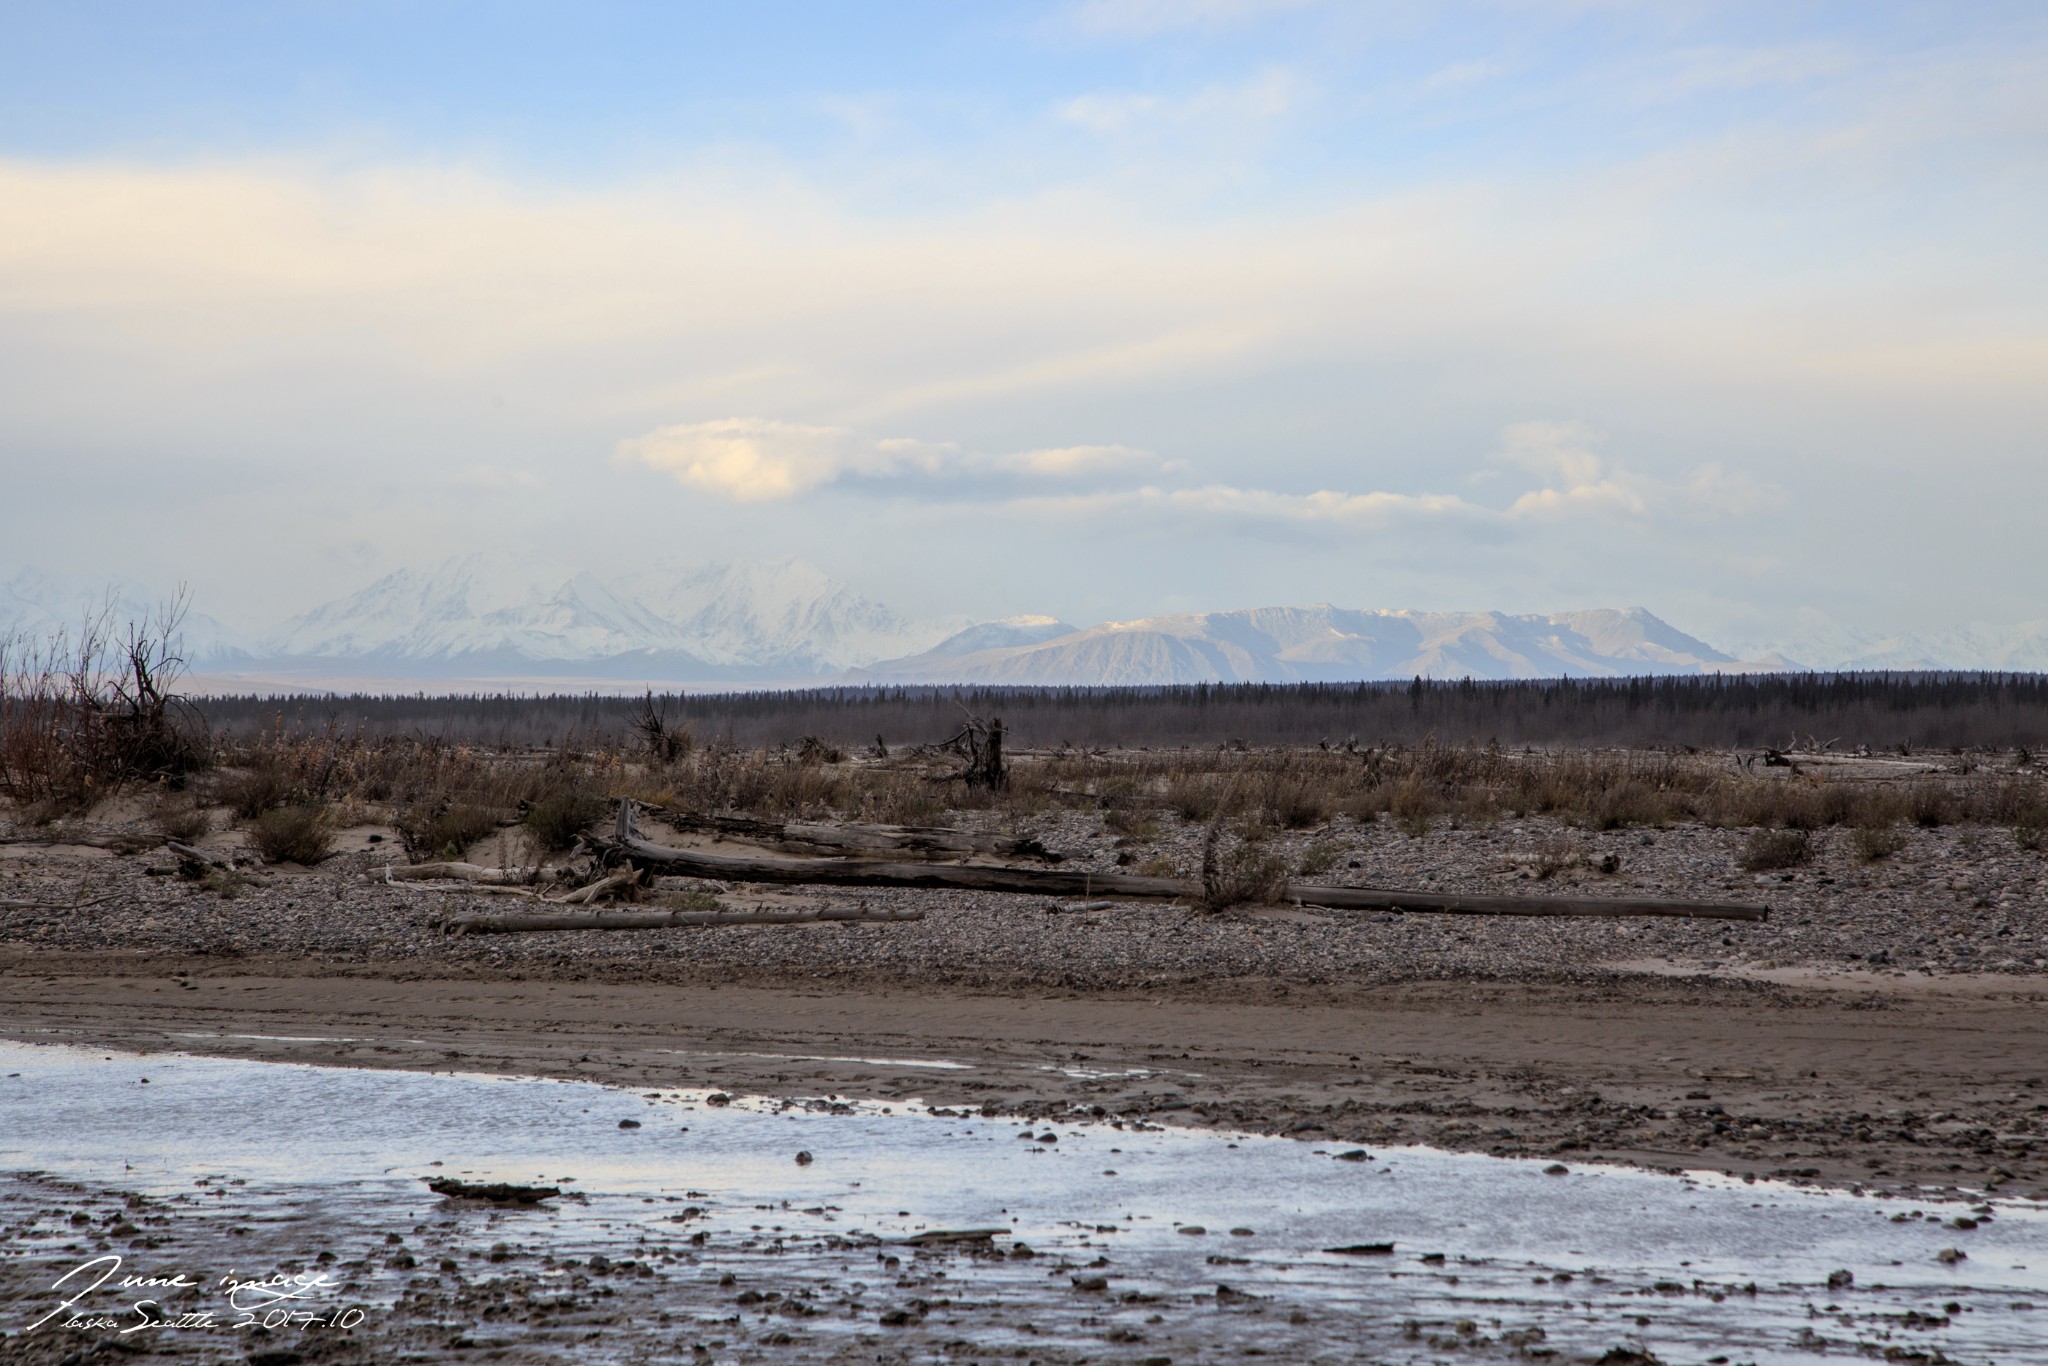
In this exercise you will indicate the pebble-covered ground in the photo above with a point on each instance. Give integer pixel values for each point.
(1953, 900)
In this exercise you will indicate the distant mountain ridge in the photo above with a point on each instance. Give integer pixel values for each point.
(485, 617)
(483, 614)
(1327, 644)
(38, 606)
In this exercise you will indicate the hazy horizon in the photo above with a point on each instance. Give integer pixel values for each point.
(1098, 310)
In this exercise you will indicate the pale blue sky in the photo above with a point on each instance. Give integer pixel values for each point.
(1735, 311)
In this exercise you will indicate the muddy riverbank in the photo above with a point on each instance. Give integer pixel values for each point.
(1875, 1081)
(284, 1214)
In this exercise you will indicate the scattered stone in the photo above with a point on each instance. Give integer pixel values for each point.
(495, 1192)
(939, 1236)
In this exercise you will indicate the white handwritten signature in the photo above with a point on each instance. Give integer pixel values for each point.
(278, 1300)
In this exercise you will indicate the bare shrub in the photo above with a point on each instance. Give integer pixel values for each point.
(80, 716)
(293, 834)
(1247, 874)
(664, 743)
(1294, 800)
(1320, 857)
(1192, 796)
(1130, 824)
(443, 828)
(180, 818)
(251, 791)
(1771, 850)
(1876, 842)
(1930, 805)
(2031, 829)
(1412, 804)
(556, 820)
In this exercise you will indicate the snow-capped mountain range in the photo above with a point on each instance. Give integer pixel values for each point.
(487, 617)
(1327, 644)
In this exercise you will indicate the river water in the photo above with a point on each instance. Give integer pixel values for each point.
(1144, 1244)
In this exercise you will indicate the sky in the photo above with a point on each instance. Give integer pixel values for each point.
(1097, 309)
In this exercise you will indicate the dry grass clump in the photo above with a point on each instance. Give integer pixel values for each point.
(1248, 874)
(2031, 828)
(293, 834)
(443, 827)
(1876, 842)
(1771, 850)
(178, 817)
(556, 819)
(1319, 858)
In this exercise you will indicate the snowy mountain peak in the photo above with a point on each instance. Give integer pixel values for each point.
(787, 619)
(1324, 643)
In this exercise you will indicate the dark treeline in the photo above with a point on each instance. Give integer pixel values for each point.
(1921, 711)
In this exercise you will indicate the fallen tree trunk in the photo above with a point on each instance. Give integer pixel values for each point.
(193, 854)
(814, 838)
(467, 872)
(625, 844)
(662, 920)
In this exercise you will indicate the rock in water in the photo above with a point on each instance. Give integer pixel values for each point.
(494, 1192)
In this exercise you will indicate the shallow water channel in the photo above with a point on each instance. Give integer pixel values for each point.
(699, 1234)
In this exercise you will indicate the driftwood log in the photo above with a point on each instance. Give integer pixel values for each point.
(191, 853)
(467, 872)
(860, 841)
(627, 845)
(479, 923)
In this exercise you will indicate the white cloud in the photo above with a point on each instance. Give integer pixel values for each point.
(754, 460)
(1365, 511)
(1072, 460)
(1576, 484)
(746, 459)
(1579, 481)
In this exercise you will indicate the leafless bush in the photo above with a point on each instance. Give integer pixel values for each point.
(1930, 805)
(80, 716)
(1772, 850)
(178, 817)
(443, 827)
(1248, 873)
(664, 743)
(1319, 858)
(558, 818)
(1876, 842)
(293, 834)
